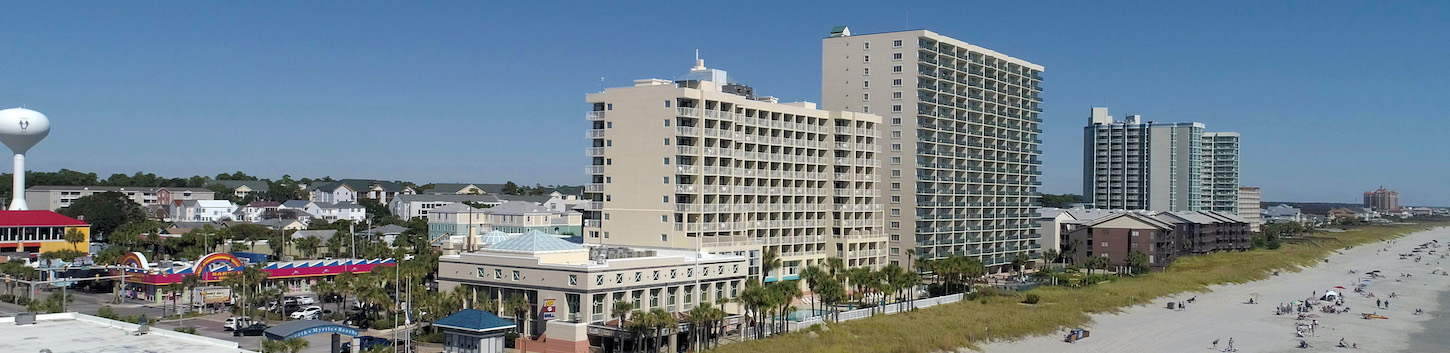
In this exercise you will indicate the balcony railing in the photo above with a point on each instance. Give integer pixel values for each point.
(594, 116)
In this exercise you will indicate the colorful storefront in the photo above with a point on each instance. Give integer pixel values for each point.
(144, 278)
(38, 232)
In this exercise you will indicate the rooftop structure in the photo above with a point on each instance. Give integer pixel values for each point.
(75, 332)
(21, 129)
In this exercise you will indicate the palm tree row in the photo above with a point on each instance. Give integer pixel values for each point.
(649, 328)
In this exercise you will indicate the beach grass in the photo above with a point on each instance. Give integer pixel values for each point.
(968, 323)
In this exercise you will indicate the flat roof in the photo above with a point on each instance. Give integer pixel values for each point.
(73, 332)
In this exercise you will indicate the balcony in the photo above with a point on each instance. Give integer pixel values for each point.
(594, 151)
(594, 133)
(594, 116)
(594, 188)
(594, 169)
(591, 223)
(594, 205)
(687, 112)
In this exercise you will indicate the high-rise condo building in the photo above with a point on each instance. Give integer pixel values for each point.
(1250, 208)
(1221, 172)
(962, 124)
(1382, 200)
(702, 162)
(1144, 165)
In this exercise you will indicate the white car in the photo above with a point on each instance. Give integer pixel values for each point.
(307, 313)
(233, 323)
(305, 300)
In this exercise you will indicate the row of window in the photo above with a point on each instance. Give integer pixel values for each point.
(619, 278)
(32, 233)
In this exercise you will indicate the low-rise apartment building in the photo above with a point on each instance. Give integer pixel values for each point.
(55, 197)
(1163, 236)
(416, 206)
(573, 287)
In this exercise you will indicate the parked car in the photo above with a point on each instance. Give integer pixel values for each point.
(235, 322)
(308, 313)
(332, 298)
(251, 330)
(301, 300)
(367, 342)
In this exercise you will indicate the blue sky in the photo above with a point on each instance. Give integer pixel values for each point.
(1332, 98)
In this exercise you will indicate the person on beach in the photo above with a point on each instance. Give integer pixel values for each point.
(1215, 344)
(1230, 347)
(1378, 303)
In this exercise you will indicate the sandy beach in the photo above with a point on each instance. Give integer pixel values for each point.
(1223, 313)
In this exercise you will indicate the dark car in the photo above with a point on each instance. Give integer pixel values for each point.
(332, 298)
(367, 342)
(251, 330)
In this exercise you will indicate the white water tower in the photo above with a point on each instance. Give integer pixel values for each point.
(21, 129)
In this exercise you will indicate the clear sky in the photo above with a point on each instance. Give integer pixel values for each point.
(1332, 98)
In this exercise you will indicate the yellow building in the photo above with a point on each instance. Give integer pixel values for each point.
(40, 231)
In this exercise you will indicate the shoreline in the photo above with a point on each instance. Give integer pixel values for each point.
(1220, 312)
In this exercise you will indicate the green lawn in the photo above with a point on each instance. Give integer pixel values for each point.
(964, 324)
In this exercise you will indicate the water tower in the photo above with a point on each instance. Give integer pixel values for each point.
(21, 129)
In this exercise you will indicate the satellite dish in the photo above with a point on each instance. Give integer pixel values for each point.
(21, 129)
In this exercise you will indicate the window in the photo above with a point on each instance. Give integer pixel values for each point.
(896, 43)
(895, 95)
(895, 82)
(654, 298)
(667, 180)
(670, 300)
(664, 219)
(895, 225)
(1135, 233)
(865, 109)
(656, 275)
(667, 160)
(608, 143)
(896, 237)
(867, 45)
(896, 173)
(1105, 244)
(895, 160)
(664, 237)
(481, 272)
(865, 96)
(573, 280)
(667, 199)
(895, 147)
(609, 106)
(667, 121)
(690, 272)
(667, 141)
(896, 69)
(865, 84)
(609, 125)
(896, 108)
(606, 216)
(599, 280)
(895, 198)
(895, 186)
(619, 278)
(667, 105)
(866, 58)
(638, 276)
(598, 304)
(672, 274)
(896, 212)
(895, 251)
(896, 134)
(497, 274)
(866, 71)
(896, 121)
(895, 56)
(516, 275)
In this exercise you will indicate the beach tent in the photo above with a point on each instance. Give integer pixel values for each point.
(1330, 295)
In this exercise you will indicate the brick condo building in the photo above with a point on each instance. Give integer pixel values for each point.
(1163, 236)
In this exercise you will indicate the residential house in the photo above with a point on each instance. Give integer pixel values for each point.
(563, 202)
(308, 207)
(355, 189)
(1283, 213)
(347, 210)
(385, 233)
(457, 219)
(242, 188)
(1343, 212)
(203, 210)
(524, 216)
(413, 206)
(455, 189)
(257, 210)
(54, 197)
(283, 224)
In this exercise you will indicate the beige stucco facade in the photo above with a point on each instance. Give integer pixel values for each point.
(686, 165)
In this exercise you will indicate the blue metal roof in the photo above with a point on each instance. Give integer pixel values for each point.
(535, 241)
(474, 320)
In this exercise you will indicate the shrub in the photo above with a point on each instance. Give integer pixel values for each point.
(191, 330)
(1032, 299)
(107, 312)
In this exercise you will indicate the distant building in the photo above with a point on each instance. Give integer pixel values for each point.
(54, 197)
(1249, 207)
(203, 211)
(355, 189)
(256, 211)
(415, 206)
(455, 189)
(1380, 200)
(1145, 165)
(39, 231)
(1283, 213)
(243, 188)
(1343, 212)
(1050, 221)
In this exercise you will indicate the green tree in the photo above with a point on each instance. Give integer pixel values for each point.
(1137, 263)
(509, 188)
(190, 283)
(769, 261)
(519, 306)
(1060, 201)
(1019, 262)
(1050, 256)
(813, 275)
(105, 211)
(74, 236)
(308, 246)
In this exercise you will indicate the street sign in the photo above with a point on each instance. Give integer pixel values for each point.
(548, 309)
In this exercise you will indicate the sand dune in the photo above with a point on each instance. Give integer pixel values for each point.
(1222, 313)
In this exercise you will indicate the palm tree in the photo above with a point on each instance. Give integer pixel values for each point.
(837, 267)
(813, 275)
(1050, 256)
(1019, 262)
(190, 282)
(308, 246)
(1069, 250)
(336, 244)
(911, 254)
(296, 344)
(620, 311)
(343, 284)
(663, 324)
(174, 290)
(519, 306)
(74, 236)
(769, 261)
(639, 327)
(831, 293)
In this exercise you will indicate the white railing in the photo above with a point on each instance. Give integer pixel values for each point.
(591, 116)
(867, 312)
(594, 151)
(594, 133)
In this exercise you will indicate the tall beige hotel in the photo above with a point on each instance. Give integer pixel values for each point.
(959, 173)
(702, 162)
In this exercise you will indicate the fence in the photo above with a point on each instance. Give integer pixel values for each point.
(867, 312)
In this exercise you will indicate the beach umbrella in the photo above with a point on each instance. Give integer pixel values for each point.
(1340, 287)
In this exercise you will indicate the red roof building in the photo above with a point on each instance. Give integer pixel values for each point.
(37, 219)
